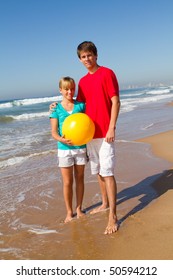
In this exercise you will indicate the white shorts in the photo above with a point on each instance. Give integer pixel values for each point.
(102, 157)
(70, 160)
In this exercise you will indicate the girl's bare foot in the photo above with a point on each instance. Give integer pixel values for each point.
(80, 213)
(112, 225)
(68, 218)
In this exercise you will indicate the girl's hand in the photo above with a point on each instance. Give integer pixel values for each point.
(66, 141)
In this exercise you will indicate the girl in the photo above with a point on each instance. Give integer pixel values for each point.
(71, 159)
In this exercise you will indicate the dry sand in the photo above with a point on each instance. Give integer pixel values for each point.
(149, 233)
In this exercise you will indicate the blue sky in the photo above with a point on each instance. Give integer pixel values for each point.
(39, 40)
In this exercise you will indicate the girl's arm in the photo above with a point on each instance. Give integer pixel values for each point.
(54, 131)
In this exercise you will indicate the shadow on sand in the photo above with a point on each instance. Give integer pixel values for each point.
(147, 190)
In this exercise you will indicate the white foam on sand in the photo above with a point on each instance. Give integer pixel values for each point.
(42, 231)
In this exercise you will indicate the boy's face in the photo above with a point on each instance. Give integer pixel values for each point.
(88, 59)
(67, 91)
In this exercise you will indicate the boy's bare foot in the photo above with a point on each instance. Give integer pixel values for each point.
(99, 209)
(112, 226)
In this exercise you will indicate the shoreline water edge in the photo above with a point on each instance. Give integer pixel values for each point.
(32, 211)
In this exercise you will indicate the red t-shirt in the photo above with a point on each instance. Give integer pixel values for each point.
(96, 90)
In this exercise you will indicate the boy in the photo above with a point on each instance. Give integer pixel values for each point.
(99, 90)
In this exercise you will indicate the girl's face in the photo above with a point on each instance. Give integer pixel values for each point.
(67, 91)
(88, 59)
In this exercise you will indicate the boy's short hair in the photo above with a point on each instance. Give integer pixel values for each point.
(66, 81)
(86, 46)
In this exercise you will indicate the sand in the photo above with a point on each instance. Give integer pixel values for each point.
(149, 233)
(145, 235)
(144, 209)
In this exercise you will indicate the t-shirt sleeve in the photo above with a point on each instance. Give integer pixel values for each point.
(84, 107)
(112, 83)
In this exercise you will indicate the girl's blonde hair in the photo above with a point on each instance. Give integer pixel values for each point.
(66, 81)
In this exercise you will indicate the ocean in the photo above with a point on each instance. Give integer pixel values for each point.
(31, 202)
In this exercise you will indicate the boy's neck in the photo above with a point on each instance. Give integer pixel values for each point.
(94, 69)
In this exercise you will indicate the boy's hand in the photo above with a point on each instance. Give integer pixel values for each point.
(110, 136)
(52, 107)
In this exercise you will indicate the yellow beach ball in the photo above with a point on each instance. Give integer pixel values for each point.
(79, 128)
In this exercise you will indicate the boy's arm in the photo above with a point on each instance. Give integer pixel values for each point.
(110, 136)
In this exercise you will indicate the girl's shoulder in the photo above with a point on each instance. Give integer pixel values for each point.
(58, 106)
(79, 106)
(78, 102)
(55, 110)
